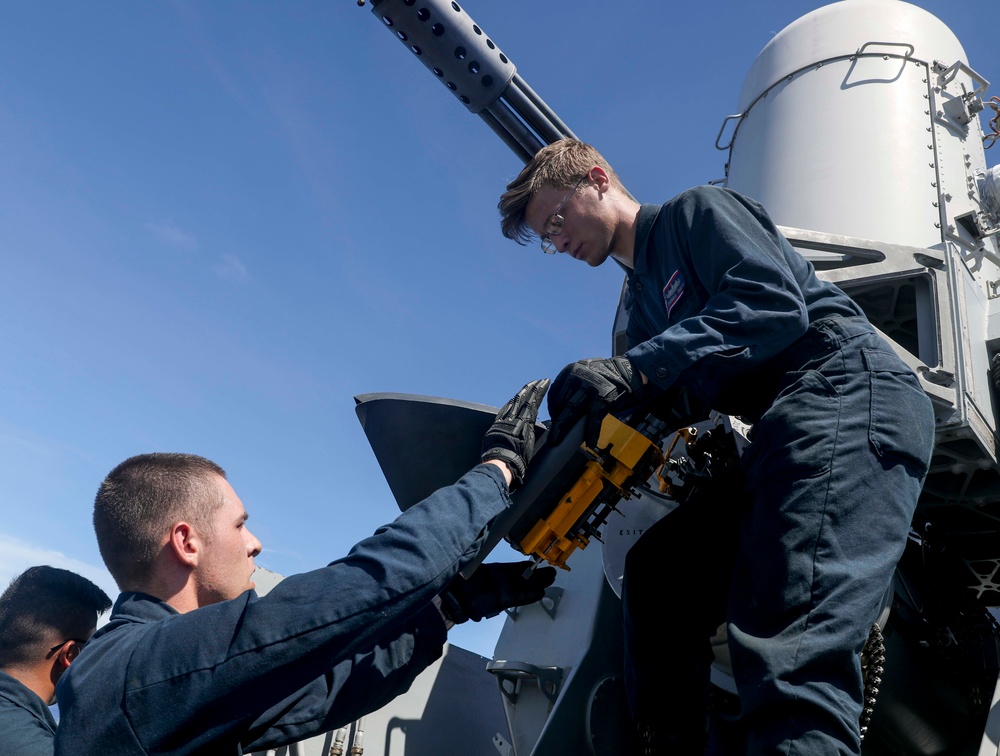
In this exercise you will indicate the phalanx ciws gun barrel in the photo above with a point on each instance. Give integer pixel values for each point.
(459, 54)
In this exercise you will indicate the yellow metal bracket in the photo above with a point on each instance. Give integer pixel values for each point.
(623, 458)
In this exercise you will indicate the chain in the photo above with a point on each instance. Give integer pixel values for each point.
(873, 656)
(872, 661)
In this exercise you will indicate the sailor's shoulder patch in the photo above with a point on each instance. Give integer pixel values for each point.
(673, 292)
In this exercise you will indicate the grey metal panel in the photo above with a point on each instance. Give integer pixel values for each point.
(577, 640)
(422, 443)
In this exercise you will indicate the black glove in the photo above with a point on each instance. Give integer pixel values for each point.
(512, 435)
(589, 387)
(493, 588)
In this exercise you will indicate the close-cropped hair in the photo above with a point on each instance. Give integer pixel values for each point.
(141, 500)
(45, 605)
(559, 165)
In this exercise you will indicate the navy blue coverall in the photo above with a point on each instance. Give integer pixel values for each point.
(320, 650)
(842, 435)
(27, 727)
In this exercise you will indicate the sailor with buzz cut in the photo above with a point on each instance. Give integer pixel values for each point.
(720, 305)
(194, 662)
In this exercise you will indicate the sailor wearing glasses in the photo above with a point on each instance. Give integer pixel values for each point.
(46, 616)
(721, 305)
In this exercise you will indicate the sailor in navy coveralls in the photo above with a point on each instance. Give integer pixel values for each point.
(194, 662)
(46, 616)
(721, 305)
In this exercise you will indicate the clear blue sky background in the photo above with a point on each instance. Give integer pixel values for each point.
(221, 221)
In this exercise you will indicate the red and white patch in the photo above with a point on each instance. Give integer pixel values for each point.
(673, 292)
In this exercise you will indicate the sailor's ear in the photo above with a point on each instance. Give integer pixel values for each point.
(599, 178)
(185, 543)
(66, 653)
(72, 651)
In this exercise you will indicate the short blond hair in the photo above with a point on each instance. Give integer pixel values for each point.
(559, 165)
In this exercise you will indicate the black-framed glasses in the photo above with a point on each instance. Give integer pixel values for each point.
(554, 225)
(56, 647)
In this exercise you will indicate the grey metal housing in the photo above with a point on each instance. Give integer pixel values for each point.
(460, 54)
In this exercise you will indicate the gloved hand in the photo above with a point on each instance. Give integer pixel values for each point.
(512, 435)
(589, 387)
(493, 588)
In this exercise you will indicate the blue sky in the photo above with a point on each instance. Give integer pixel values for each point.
(221, 221)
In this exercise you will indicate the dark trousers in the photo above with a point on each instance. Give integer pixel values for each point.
(797, 566)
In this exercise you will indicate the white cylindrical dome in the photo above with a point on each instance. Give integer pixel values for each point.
(838, 132)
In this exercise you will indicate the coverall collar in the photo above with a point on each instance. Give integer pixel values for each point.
(644, 224)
